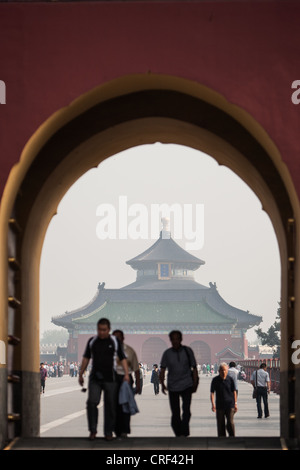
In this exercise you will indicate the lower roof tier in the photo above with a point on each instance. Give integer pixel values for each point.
(193, 315)
(157, 329)
(201, 306)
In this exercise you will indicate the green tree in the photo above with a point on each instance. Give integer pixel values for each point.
(55, 336)
(272, 336)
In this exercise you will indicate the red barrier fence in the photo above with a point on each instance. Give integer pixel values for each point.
(273, 368)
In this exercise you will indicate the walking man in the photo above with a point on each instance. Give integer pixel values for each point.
(182, 382)
(43, 373)
(123, 419)
(226, 401)
(142, 370)
(233, 372)
(103, 350)
(155, 379)
(261, 381)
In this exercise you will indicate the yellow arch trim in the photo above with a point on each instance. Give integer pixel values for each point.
(118, 87)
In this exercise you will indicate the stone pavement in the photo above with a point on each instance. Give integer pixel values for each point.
(154, 416)
(63, 422)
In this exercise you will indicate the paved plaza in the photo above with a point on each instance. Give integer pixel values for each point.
(64, 424)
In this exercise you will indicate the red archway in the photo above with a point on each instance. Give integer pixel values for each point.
(202, 352)
(152, 350)
(100, 130)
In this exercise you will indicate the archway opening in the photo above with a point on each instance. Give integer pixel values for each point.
(152, 350)
(180, 113)
(238, 241)
(202, 352)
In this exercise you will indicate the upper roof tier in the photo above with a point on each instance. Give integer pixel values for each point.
(165, 250)
(161, 293)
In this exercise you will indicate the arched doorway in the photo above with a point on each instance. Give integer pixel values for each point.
(152, 351)
(130, 112)
(202, 352)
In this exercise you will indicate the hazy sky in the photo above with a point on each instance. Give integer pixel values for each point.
(240, 249)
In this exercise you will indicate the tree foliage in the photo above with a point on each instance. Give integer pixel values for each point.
(55, 336)
(272, 336)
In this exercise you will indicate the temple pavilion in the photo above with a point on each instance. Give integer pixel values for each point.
(165, 296)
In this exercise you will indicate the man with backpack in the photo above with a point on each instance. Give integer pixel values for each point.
(155, 379)
(182, 381)
(103, 349)
(260, 380)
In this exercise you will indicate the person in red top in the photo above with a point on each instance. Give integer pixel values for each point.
(43, 373)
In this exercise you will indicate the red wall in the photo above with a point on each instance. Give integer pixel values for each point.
(52, 53)
(216, 342)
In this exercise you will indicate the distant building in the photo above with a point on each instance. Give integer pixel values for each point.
(53, 353)
(164, 297)
(253, 352)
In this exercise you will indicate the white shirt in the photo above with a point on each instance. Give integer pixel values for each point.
(262, 378)
(233, 372)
